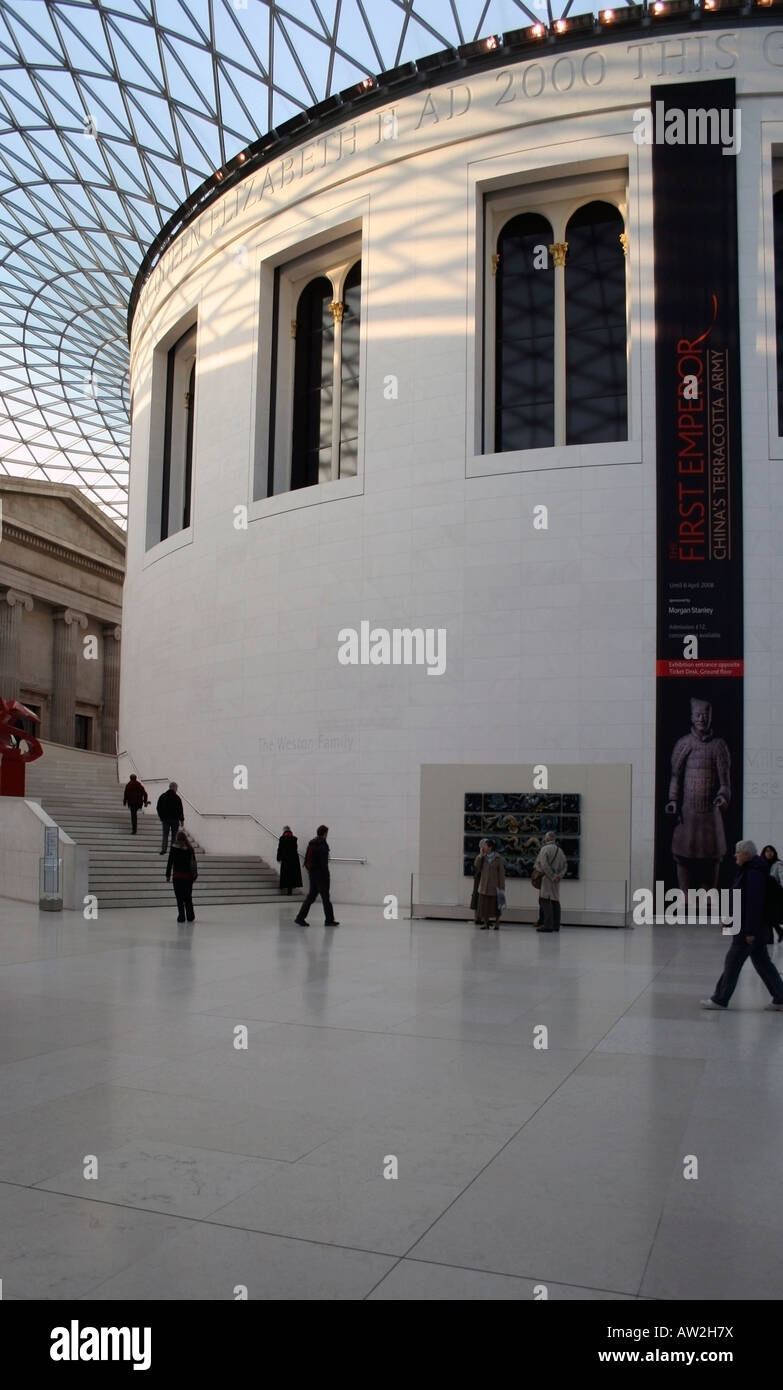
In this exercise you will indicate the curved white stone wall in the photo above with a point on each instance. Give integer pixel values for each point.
(230, 635)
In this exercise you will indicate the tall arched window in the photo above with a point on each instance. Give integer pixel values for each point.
(556, 361)
(777, 211)
(315, 369)
(349, 373)
(311, 451)
(596, 335)
(177, 481)
(524, 335)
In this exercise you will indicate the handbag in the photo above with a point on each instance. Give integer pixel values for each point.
(193, 866)
(536, 878)
(501, 900)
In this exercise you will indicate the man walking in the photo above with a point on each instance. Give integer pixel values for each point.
(135, 796)
(751, 940)
(171, 813)
(317, 865)
(552, 864)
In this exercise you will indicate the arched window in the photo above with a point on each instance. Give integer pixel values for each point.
(524, 335)
(595, 327)
(556, 358)
(311, 452)
(177, 480)
(349, 373)
(315, 368)
(777, 210)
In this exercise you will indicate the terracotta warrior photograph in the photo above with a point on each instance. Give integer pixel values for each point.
(699, 792)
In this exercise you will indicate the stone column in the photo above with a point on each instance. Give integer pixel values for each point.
(67, 623)
(11, 605)
(110, 717)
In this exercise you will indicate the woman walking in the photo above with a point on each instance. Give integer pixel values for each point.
(492, 880)
(182, 870)
(773, 902)
(288, 859)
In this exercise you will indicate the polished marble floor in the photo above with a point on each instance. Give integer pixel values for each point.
(244, 1090)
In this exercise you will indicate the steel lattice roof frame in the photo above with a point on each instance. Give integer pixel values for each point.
(85, 189)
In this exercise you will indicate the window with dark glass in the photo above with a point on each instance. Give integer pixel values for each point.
(177, 479)
(595, 327)
(777, 209)
(314, 420)
(524, 335)
(349, 373)
(311, 450)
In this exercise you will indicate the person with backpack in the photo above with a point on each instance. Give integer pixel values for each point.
(773, 898)
(182, 869)
(317, 866)
(135, 797)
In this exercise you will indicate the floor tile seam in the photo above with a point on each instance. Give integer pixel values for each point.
(67, 1095)
(536, 1278)
(685, 1121)
(149, 1139)
(425, 1037)
(208, 1220)
(526, 1122)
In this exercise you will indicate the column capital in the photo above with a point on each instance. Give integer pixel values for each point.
(69, 616)
(558, 251)
(13, 596)
(112, 630)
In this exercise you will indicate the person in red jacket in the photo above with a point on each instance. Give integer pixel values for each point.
(135, 796)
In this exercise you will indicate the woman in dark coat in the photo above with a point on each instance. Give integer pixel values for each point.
(773, 903)
(288, 859)
(183, 869)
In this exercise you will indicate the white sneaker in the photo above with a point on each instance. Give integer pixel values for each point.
(774, 1008)
(710, 1004)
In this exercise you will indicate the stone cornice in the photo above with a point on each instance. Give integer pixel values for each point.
(47, 545)
(68, 496)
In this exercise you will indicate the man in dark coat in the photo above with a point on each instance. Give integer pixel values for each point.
(171, 813)
(135, 796)
(288, 859)
(317, 865)
(751, 939)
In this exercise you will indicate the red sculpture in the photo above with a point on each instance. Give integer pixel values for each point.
(12, 757)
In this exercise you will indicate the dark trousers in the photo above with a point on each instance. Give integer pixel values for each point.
(169, 827)
(134, 810)
(183, 892)
(550, 908)
(318, 886)
(736, 956)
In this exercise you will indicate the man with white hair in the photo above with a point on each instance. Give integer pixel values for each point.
(751, 939)
(552, 865)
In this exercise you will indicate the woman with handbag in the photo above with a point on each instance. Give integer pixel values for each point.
(492, 883)
(182, 870)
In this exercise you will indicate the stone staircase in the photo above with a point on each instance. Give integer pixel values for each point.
(80, 792)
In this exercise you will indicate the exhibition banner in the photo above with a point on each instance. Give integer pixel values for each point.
(699, 672)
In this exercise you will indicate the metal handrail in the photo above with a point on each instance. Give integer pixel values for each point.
(226, 815)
